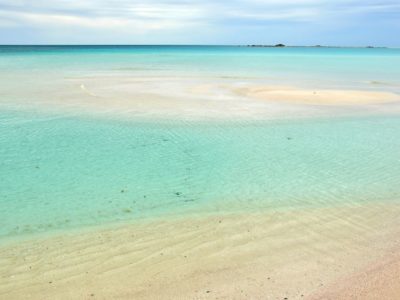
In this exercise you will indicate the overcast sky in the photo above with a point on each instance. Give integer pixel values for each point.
(293, 22)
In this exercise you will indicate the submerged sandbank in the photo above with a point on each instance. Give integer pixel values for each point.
(198, 98)
(318, 96)
(274, 254)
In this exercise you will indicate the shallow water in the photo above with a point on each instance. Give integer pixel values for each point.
(60, 170)
(326, 67)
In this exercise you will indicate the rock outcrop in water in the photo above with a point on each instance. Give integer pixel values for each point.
(267, 46)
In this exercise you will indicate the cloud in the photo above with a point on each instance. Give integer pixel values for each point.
(184, 17)
(35, 19)
(98, 14)
(119, 12)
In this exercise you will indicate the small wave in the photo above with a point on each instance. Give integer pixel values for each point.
(83, 88)
(375, 82)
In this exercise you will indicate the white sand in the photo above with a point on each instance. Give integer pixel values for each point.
(380, 280)
(194, 98)
(270, 255)
(318, 96)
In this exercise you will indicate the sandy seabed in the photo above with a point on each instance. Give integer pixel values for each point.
(347, 251)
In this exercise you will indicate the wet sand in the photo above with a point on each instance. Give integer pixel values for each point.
(380, 280)
(275, 254)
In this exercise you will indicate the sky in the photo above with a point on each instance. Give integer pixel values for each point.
(292, 22)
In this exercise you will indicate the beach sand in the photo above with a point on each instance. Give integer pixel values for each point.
(275, 254)
(381, 280)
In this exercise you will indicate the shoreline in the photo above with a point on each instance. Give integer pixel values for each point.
(200, 257)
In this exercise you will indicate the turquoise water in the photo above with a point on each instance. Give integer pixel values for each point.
(63, 172)
(59, 170)
(329, 66)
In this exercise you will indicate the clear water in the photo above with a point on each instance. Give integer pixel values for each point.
(333, 64)
(60, 171)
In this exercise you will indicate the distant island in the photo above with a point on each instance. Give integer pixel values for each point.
(277, 45)
(315, 46)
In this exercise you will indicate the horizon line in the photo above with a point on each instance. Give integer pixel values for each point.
(198, 45)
